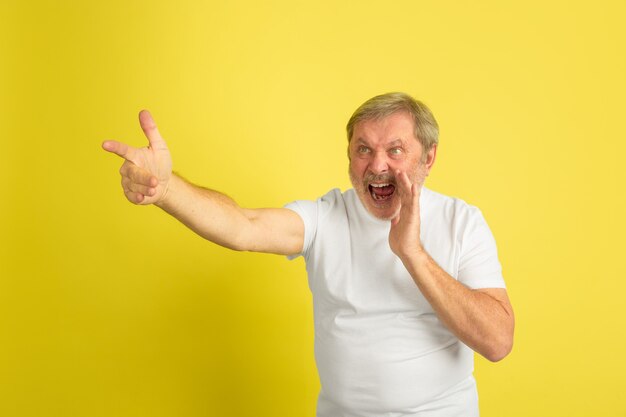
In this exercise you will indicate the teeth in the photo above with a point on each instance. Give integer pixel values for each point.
(379, 185)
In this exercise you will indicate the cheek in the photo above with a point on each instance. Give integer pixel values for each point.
(357, 166)
(412, 165)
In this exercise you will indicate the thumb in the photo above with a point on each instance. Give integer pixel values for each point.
(149, 128)
(395, 220)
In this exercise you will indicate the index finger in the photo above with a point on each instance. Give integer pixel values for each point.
(120, 149)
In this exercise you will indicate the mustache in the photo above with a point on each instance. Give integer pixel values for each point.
(380, 178)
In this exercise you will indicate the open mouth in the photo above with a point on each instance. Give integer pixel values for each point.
(382, 192)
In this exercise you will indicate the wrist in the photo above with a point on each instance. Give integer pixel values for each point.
(414, 257)
(166, 198)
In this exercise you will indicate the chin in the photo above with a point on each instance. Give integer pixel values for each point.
(383, 214)
(386, 211)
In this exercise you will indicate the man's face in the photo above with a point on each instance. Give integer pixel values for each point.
(377, 150)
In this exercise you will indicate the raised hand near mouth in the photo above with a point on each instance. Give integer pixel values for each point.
(146, 172)
(481, 318)
(404, 236)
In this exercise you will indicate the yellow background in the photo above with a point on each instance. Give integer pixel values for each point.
(107, 309)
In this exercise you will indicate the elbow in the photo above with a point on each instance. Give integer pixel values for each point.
(238, 246)
(499, 352)
(499, 348)
(502, 342)
(235, 243)
(237, 240)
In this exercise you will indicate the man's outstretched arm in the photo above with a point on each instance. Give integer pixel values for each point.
(147, 178)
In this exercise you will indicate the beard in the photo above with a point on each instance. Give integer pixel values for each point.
(384, 207)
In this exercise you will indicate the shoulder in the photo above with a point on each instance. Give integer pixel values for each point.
(451, 209)
(319, 207)
(462, 222)
(325, 213)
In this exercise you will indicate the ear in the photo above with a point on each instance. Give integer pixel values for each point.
(430, 158)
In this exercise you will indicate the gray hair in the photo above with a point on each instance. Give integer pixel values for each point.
(426, 128)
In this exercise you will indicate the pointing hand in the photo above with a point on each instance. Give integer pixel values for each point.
(146, 172)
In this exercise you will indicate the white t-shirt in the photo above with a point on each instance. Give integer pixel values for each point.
(379, 347)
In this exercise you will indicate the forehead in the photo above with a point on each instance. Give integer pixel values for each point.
(396, 126)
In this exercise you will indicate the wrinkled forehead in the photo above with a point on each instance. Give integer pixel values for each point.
(395, 126)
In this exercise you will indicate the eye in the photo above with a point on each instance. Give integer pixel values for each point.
(395, 151)
(363, 149)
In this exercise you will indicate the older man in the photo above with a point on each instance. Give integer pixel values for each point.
(406, 282)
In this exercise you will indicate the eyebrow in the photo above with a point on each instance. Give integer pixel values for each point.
(397, 142)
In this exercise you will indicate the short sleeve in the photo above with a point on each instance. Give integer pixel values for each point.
(311, 212)
(479, 266)
(307, 210)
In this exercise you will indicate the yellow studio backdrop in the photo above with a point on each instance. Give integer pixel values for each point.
(108, 309)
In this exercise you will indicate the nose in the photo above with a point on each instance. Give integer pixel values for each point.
(379, 163)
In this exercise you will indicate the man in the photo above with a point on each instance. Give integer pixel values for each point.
(406, 282)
